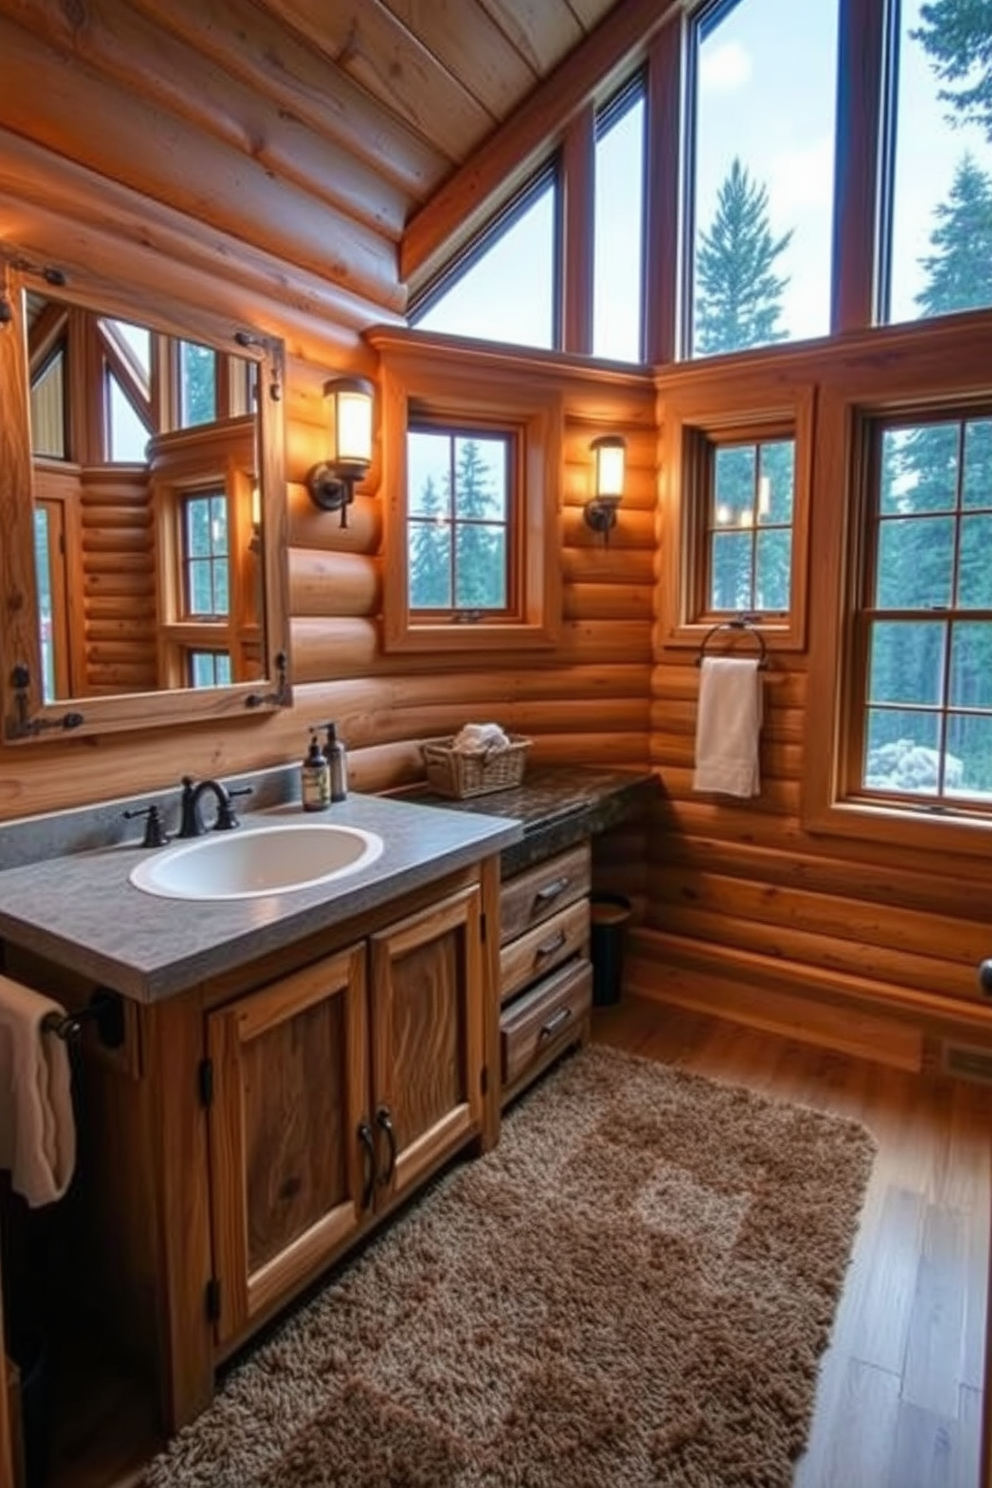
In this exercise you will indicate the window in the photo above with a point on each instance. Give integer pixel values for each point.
(748, 513)
(941, 230)
(459, 485)
(209, 669)
(505, 287)
(738, 505)
(471, 455)
(198, 398)
(925, 638)
(763, 79)
(205, 556)
(619, 227)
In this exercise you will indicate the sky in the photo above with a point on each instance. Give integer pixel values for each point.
(766, 92)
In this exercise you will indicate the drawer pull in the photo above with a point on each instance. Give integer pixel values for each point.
(368, 1154)
(552, 890)
(556, 1021)
(550, 946)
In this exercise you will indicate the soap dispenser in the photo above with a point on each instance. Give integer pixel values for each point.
(337, 760)
(315, 778)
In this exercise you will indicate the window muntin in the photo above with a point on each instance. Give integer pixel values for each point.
(925, 727)
(618, 226)
(940, 245)
(459, 512)
(205, 556)
(505, 288)
(762, 152)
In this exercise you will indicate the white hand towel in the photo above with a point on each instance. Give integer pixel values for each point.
(37, 1127)
(728, 725)
(480, 738)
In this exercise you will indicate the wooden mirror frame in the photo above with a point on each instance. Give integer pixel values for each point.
(24, 716)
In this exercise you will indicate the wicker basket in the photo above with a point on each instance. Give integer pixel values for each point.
(452, 773)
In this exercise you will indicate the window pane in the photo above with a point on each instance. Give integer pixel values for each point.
(903, 752)
(733, 485)
(507, 293)
(915, 563)
(920, 468)
(763, 174)
(428, 474)
(46, 617)
(480, 564)
(429, 557)
(776, 482)
(209, 669)
(978, 464)
(968, 768)
(975, 572)
(971, 665)
(618, 227)
(906, 662)
(730, 571)
(197, 384)
(942, 189)
(128, 435)
(480, 478)
(773, 554)
(48, 411)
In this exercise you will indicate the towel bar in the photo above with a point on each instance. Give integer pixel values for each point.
(742, 623)
(106, 1009)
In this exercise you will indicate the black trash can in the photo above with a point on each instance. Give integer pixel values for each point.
(609, 914)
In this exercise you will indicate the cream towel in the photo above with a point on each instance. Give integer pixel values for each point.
(728, 723)
(37, 1127)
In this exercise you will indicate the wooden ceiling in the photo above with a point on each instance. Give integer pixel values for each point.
(347, 140)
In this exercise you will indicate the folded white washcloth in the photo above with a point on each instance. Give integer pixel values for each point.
(480, 738)
(728, 725)
(37, 1127)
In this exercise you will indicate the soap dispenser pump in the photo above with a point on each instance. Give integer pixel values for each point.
(337, 760)
(315, 778)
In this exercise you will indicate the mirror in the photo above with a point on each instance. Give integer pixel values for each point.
(142, 515)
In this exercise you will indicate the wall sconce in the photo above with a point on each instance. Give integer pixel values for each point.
(332, 484)
(601, 511)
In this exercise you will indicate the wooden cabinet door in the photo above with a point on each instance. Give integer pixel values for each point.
(291, 1152)
(427, 997)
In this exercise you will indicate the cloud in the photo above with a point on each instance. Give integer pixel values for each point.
(725, 69)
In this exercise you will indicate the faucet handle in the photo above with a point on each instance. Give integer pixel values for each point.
(155, 833)
(226, 816)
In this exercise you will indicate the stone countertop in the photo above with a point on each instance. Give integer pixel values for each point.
(557, 805)
(81, 910)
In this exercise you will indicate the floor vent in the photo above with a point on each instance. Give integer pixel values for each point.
(966, 1062)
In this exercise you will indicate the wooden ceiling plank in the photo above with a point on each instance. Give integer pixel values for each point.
(172, 161)
(121, 42)
(472, 47)
(368, 44)
(543, 31)
(254, 46)
(506, 158)
(589, 13)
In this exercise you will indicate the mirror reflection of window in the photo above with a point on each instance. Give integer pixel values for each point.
(43, 571)
(205, 555)
(197, 384)
(209, 669)
(48, 407)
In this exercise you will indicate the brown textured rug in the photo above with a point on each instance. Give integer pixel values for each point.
(633, 1288)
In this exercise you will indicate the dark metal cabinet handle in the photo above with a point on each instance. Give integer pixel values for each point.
(550, 946)
(552, 890)
(556, 1021)
(368, 1153)
(985, 976)
(384, 1121)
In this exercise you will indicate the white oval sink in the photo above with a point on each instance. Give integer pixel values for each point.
(251, 861)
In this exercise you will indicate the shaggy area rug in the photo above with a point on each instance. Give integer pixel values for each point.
(633, 1288)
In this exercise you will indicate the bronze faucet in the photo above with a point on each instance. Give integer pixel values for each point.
(191, 823)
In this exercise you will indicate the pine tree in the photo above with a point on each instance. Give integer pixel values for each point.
(958, 36)
(480, 561)
(738, 295)
(430, 552)
(959, 271)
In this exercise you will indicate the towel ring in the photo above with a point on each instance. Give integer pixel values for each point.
(740, 624)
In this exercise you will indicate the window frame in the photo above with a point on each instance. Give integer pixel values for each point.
(935, 367)
(713, 414)
(427, 377)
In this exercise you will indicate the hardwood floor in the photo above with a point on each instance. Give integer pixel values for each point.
(899, 1402)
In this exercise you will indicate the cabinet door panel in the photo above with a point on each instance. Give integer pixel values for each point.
(428, 992)
(290, 1075)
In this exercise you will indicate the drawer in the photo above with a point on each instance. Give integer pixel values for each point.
(540, 892)
(532, 955)
(547, 1016)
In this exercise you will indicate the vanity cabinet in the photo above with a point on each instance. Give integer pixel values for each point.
(331, 1092)
(545, 971)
